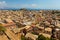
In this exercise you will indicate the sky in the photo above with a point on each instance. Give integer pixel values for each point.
(34, 4)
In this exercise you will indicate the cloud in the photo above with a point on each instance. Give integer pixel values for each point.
(3, 4)
(34, 5)
(28, 5)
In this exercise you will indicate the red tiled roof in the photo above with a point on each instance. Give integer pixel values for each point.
(8, 24)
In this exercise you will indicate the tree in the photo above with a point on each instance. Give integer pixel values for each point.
(53, 12)
(41, 37)
(47, 38)
(29, 38)
(20, 25)
(23, 37)
(24, 31)
(53, 37)
(43, 25)
(2, 29)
